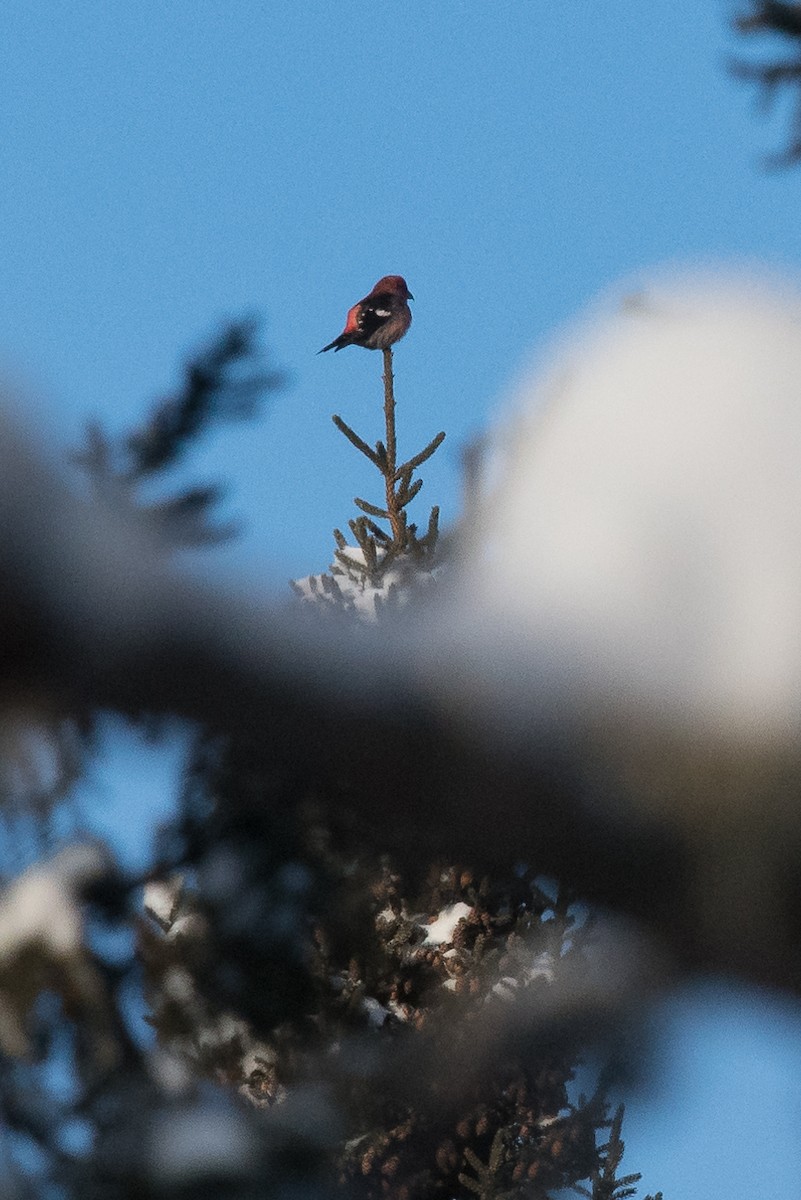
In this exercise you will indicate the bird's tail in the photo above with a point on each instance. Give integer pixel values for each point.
(337, 344)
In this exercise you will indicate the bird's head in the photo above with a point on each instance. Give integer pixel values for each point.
(396, 284)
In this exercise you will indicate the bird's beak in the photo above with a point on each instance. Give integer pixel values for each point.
(409, 296)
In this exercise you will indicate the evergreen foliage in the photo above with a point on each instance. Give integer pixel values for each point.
(437, 958)
(384, 563)
(399, 493)
(781, 18)
(326, 1024)
(225, 382)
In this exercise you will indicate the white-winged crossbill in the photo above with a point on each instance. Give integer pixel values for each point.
(379, 320)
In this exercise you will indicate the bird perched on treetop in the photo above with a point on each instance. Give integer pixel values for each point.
(379, 320)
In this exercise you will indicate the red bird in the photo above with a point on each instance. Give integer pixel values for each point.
(379, 320)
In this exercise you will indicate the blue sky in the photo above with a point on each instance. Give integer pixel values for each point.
(166, 166)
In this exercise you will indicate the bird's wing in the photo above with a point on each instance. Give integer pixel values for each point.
(369, 314)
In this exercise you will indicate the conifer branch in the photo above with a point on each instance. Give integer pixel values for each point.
(355, 440)
(782, 19)
(407, 495)
(485, 1185)
(433, 526)
(225, 382)
(350, 563)
(397, 520)
(604, 1180)
(423, 456)
(381, 548)
(389, 407)
(371, 509)
(378, 533)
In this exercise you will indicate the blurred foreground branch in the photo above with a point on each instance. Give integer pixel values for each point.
(95, 619)
(224, 382)
(783, 19)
